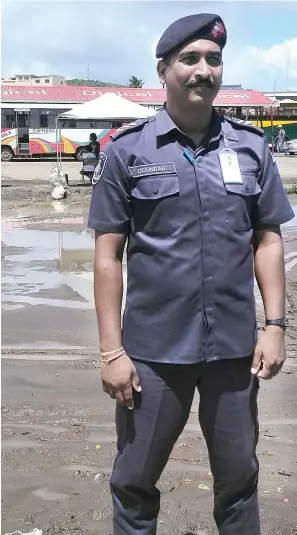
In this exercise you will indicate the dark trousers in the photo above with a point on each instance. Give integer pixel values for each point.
(146, 436)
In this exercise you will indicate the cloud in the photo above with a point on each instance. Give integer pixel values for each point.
(262, 68)
(282, 56)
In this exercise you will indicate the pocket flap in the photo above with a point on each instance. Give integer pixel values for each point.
(156, 187)
(250, 186)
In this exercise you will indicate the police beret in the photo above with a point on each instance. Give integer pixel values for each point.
(204, 25)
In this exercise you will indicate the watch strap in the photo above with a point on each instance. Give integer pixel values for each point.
(281, 322)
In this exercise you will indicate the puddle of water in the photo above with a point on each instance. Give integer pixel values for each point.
(101, 438)
(280, 421)
(36, 427)
(44, 261)
(19, 443)
(293, 223)
(44, 356)
(11, 307)
(48, 495)
(40, 344)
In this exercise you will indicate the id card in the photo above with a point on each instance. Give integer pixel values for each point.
(230, 167)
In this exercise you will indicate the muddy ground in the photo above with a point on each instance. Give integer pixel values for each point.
(58, 438)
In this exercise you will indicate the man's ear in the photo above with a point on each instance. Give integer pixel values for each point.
(161, 70)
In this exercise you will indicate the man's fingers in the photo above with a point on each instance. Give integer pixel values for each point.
(257, 361)
(105, 388)
(112, 394)
(135, 381)
(128, 396)
(119, 397)
(269, 371)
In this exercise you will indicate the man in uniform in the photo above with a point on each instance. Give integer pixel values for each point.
(199, 199)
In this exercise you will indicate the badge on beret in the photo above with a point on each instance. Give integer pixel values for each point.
(218, 29)
(99, 169)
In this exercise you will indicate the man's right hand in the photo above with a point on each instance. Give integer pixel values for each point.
(119, 379)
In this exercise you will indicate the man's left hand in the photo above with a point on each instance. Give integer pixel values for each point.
(270, 353)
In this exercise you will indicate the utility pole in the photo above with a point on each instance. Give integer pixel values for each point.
(88, 72)
(288, 68)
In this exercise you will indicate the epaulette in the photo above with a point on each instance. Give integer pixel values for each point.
(130, 127)
(248, 125)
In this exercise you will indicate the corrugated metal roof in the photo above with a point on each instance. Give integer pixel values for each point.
(76, 94)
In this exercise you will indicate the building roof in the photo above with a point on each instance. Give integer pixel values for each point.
(77, 94)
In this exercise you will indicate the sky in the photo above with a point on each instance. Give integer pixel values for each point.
(118, 39)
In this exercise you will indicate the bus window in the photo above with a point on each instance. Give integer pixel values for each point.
(8, 120)
(116, 124)
(43, 120)
(23, 120)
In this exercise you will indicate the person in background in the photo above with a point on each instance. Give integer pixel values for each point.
(281, 135)
(95, 144)
(89, 162)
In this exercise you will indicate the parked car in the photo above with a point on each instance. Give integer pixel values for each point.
(291, 146)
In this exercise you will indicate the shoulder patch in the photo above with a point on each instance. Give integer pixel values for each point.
(99, 169)
(248, 125)
(131, 127)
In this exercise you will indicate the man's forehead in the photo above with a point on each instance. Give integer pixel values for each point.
(200, 45)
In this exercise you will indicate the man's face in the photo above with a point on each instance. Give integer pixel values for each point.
(193, 73)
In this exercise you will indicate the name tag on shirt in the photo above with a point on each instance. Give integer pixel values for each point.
(230, 167)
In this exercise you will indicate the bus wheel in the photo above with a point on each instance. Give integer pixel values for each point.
(79, 154)
(6, 154)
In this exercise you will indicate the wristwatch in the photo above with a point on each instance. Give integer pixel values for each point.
(282, 322)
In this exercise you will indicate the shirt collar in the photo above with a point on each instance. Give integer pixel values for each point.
(228, 130)
(219, 127)
(164, 123)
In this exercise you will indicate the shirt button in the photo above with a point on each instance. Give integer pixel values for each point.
(199, 159)
(155, 191)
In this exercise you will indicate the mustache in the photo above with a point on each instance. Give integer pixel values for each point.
(200, 82)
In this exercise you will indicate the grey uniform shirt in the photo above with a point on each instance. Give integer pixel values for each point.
(190, 256)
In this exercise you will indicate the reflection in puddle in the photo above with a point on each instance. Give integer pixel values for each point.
(48, 495)
(280, 421)
(101, 437)
(39, 265)
(20, 443)
(40, 344)
(56, 430)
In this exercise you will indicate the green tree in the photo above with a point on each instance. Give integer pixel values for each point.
(92, 83)
(135, 82)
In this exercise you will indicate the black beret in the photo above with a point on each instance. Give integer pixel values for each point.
(204, 25)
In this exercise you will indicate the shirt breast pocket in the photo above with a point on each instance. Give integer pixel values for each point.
(240, 199)
(155, 205)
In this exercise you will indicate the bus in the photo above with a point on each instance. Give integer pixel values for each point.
(32, 133)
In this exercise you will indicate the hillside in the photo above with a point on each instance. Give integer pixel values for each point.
(92, 83)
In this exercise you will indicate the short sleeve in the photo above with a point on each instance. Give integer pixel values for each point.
(110, 209)
(272, 207)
